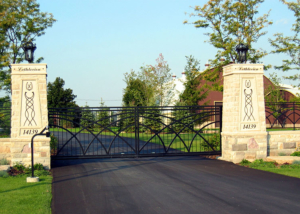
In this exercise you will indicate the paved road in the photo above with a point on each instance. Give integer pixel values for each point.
(169, 185)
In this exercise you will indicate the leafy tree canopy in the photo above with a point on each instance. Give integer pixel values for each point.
(135, 92)
(152, 85)
(289, 45)
(59, 97)
(231, 22)
(21, 21)
(194, 91)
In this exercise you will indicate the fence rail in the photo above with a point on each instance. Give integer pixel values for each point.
(283, 115)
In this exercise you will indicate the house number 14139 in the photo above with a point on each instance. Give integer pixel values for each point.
(30, 131)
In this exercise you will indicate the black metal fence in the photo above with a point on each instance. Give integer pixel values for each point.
(283, 116)
(135, 131)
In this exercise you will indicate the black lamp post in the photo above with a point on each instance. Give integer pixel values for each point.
(29, 49)
(242, 50)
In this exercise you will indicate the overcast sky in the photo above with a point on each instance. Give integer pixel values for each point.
(94, 42)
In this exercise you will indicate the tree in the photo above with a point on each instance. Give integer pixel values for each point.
(194, 91)
(273, 92)
(102, 116)
(182, 117)
(231, 22)
(289, 45)
(164, 85)
(152, 120)
(20, 22)
(87, 118)
(135, 92)
(151, 86)
(58, 97)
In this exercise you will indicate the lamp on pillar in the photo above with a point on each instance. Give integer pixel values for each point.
(29, 49)
(242, 50)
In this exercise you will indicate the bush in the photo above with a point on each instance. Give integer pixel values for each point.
(38, 166)
(296, 154)
(53, 144)
(281, 154)
(245, 162)
(261, 163)
(19, 166)
(3, 174)
(296, 162)
(3, 161)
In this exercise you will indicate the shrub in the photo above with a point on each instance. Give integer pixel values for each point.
(281, 154)
(19, 166)
(53, 144)
(3, 174)
(3, 161)
(296, 154)
(38, 166)
(296, 162)
(245, 162)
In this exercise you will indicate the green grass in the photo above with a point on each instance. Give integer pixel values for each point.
(292, 170)
(18, 196)
(198, 145)
(281, 129)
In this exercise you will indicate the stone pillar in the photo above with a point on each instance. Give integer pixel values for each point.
(244, 133)
(29, 113)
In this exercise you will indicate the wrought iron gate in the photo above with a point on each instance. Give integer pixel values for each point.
(135, 131)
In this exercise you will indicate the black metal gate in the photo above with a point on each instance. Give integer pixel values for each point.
(135, 131)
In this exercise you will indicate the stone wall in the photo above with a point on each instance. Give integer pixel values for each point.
(283, 142)
(19, 151)
(5, 148)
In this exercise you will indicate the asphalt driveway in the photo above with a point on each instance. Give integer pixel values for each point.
(188, 184)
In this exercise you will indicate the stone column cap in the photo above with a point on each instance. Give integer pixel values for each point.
(243, 69)
(28, 69)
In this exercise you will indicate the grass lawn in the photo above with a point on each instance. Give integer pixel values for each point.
(18, 196)
(292, 170)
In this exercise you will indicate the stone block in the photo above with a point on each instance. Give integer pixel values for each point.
(239, 147)
(238, 157)
(4, 149)
(250, 155)
(289, 145)
(252, 144)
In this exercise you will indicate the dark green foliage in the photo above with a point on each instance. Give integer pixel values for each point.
(53, 144)
(20, 169)
(127, 123)
(151, 120)
(134, 93)
(213, 142)
(58, 97)
(245, 162)
(183, 118)
(87, 118)
(103, 117)
(296, 154)
(20, 22)
(19, 166)
(194, 91)
(38, 166)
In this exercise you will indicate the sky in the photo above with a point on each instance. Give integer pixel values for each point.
(94, 42)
